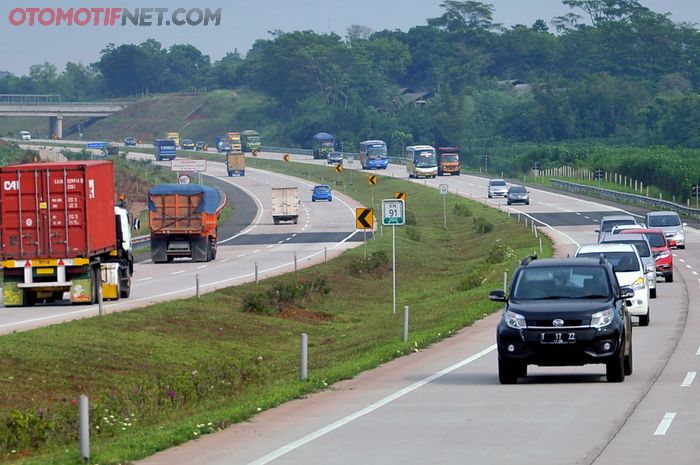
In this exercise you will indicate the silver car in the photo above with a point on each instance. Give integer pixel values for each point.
(640, 242)
(518, 194)
(670, 223)
(497, 187)
(607, 223)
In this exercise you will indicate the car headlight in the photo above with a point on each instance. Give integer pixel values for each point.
(514, 320)
(602, 319)
(665, 254)
(638, 284)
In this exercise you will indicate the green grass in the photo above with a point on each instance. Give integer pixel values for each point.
(165, 369)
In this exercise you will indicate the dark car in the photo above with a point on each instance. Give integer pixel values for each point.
(201, 146)
(187, 144)
(563, 312)
(130, 141)
(518, 194)
(335, 158)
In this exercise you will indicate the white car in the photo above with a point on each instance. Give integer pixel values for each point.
(629, 270)
(497, 187)
(25, 135)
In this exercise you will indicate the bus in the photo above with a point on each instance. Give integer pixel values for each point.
(421, 161)
(373, 155)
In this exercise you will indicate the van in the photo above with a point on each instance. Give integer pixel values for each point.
(670, 223)
(25, 135)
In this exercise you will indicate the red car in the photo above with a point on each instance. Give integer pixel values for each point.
(660, 248)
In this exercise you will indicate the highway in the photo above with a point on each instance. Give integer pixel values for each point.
(324, 230)
(445, 405)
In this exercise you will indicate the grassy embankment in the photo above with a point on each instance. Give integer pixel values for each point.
(170, 372)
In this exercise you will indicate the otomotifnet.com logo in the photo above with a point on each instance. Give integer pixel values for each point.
(114, 17)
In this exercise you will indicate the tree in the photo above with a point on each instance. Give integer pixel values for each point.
(356, 32)
(464, 15)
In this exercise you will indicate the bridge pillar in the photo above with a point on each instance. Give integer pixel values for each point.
(56, 127)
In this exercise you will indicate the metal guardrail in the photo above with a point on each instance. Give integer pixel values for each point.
(286, 150)
(624, 197)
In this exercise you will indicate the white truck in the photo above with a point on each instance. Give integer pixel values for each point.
(285, 204)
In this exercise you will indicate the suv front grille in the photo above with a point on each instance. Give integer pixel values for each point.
(549, 324)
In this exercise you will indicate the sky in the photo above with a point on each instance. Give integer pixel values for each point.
(244, 21)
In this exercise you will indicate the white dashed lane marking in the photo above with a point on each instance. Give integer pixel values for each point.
(177, 272)
(689, 378)
(665, 424)
(145, 279)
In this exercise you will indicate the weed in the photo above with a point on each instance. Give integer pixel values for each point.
(462, 209)
(483, 226)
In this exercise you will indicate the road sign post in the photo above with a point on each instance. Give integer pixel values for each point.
(444, 189)
(393, 215)
(364, 219)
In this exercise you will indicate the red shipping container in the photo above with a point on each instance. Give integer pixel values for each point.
(57, 210)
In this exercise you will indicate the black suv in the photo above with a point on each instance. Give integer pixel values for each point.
(562, 312)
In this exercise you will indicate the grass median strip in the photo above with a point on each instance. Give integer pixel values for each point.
(170, 372)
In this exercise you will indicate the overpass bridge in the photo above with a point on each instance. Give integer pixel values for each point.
(52, 107)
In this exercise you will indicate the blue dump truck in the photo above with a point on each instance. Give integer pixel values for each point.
(164, 149)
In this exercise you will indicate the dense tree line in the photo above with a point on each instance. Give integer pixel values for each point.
(609, 70)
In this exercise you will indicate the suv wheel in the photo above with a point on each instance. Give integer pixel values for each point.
(644, 319)
(652, 293)
(615, 369)
(669, 277)
(507, 371)
(628, 362)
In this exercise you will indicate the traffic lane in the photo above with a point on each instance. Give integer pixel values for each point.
(667, 417)
(464, 415)
(155, 283)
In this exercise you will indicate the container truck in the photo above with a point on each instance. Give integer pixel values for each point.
(448, 160)
(61, 232)
(234, 140)
(285, 204)
(250, 140)
(235, 163)
(183, 220)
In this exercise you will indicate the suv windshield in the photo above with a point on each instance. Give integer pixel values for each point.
(663, 221)
(641, 246)
(608, 225)
(561, 282)
(621, 261)
(656, 239)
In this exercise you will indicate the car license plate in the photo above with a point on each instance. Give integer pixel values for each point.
(558, 338)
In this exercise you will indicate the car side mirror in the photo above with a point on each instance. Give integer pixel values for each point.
(685, 224)
(497, 296)
(597, 230)
(137, 224)
(626, 292)
(650, 268)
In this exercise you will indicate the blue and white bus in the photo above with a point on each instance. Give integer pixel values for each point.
(373, 155)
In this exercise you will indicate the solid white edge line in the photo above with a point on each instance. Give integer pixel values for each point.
(698, 352)
(369, 409)
(665, 424)
(689, 378)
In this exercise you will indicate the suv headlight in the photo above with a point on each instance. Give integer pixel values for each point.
(602, 319)
(514, 320)
(663, 254)
(638, 284)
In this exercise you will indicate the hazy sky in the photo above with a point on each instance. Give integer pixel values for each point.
(242, 22)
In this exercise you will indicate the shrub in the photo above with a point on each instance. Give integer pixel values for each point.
(283, 295)
(462, 209)
(413, 233)
(257, 302)
(411, 218)
(501, 252)
(483, 226)
(376, 265)
(472, 280)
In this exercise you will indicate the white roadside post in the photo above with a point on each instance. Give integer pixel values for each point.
(444, 189)
(393, 215)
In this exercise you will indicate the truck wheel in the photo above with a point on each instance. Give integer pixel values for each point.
(295, 221)
(213, 250)
(95, 279)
